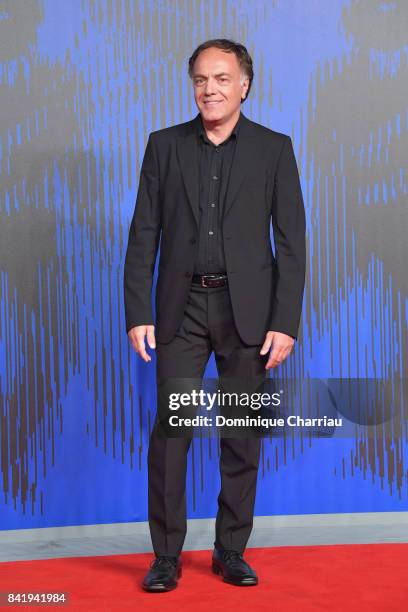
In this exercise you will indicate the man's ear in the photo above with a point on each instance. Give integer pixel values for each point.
(246, 86)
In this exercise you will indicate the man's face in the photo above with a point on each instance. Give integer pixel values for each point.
(217, 84)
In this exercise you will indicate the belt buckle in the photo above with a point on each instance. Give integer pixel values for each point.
(203, 281)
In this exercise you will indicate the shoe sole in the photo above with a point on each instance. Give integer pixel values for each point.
(217, 570)
(160, 588)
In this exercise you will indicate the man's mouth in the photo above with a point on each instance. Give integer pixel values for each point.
(211, 102)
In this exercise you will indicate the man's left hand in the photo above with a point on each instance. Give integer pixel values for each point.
(282, 346)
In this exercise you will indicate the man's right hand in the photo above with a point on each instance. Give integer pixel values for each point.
(137, 338)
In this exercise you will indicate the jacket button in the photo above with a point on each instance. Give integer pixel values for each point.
(192, 241)
(188, 274)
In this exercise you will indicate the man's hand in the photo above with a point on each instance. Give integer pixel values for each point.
(137, 337)
(282, 347)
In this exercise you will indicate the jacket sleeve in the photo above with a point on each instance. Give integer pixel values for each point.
(289, 229)
(143, 242)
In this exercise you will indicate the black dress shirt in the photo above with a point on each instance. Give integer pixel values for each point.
(214, 167)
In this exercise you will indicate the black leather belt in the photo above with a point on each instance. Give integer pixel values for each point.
(210, 280)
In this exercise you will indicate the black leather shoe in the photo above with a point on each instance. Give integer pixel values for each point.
(232, 566)
(163, 574)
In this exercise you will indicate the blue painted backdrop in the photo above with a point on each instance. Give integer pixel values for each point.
(82, 84)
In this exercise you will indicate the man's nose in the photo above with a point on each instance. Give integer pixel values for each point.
(209, 87)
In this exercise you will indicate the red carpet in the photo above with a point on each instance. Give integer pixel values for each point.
(348, 577)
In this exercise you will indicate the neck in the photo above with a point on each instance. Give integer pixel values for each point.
(217, 131)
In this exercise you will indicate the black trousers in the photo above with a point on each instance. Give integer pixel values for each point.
(207, 326)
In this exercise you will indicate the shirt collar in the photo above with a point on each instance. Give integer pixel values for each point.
(202, 133)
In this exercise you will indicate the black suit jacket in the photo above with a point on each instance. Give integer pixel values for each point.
(264, 187)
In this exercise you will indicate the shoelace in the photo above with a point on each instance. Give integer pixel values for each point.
(232, 556)
(164, 559)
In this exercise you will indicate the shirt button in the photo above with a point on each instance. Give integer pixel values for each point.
(211, 233)
(217, 149)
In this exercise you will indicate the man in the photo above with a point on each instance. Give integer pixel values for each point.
(209, 188)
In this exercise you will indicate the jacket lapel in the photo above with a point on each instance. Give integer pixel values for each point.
(188, 159)
(246, 151)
